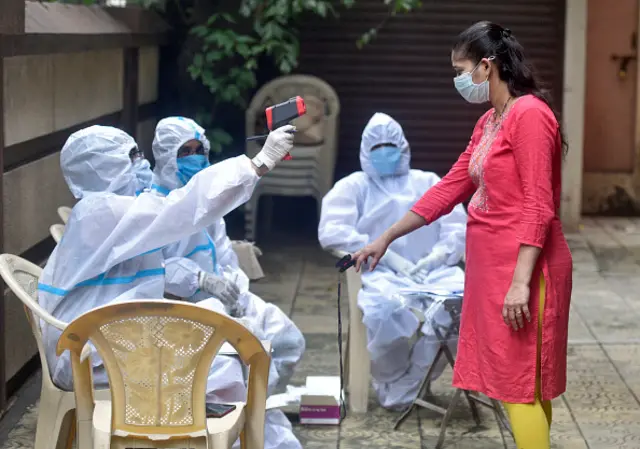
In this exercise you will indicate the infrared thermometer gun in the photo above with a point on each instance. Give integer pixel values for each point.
(282, 114)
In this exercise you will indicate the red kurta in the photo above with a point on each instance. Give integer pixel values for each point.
(512, 168)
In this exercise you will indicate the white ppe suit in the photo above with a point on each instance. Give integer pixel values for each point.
(357, 210)
(111, 250)
(211, 251)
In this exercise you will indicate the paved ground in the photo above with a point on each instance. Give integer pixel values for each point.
(600, 410)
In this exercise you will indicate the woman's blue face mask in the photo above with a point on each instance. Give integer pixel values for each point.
(385, 160)
(188, 166)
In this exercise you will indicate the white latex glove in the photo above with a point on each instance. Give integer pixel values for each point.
(223, 289)
(279, 143)
(397, 263)
(433, 260)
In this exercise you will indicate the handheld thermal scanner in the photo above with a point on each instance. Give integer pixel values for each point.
(281, 114)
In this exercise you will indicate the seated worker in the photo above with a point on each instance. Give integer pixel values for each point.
(200, 267)
(111, 248)
(204, 264)
(356, 211)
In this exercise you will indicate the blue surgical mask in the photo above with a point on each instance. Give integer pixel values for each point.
(143, 172)
(188, 166)
(470, 91)
(385, 160)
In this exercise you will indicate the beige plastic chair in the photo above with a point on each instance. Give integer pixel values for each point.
(21, 276)
(357, 363)
(310, 172)
(63, 213)
(158, 354)
(56, 231)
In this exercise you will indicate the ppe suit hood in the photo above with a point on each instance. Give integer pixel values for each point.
(383, 129)
(171, 134)
(96, 159)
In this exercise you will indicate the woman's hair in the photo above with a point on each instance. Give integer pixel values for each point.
(486, 39)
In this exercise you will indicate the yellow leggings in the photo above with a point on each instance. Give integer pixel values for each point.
(531, 422)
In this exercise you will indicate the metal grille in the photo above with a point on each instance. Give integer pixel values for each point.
(406, 72)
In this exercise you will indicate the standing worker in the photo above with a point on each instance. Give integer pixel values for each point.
(515, 315)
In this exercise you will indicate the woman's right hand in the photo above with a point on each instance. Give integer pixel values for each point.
(375, 250)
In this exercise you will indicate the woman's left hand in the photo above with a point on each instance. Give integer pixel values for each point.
(516, 306)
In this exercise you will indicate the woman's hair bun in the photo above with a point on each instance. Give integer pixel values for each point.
(506, 33)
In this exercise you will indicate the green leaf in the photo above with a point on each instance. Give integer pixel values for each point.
(212, 19)
(220, 136)
(200, 31)
(243, 50)
(197, 60)
(214, 56)
(228, 18)
(194, 72)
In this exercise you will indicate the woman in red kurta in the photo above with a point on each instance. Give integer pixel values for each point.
(515, 316)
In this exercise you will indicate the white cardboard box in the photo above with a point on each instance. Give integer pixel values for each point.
(321, 402)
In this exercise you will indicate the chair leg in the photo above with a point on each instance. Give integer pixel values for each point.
(500, 416)
(268, 214)
(251, 218)
(345, 362)
(447, 417)
(474, 408)
(51, 419)
(423, 390)
(72, 431)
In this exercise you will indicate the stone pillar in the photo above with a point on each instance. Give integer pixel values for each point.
(573, 101)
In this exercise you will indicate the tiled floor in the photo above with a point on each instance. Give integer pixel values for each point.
(600, 410)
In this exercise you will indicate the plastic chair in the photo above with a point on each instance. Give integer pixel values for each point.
(157, 355)
(56, 232)
(310, 172)
(357, 363)
(21, 276)
(63, 213)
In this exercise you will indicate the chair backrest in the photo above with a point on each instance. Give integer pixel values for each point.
(64, 212)
(157, 354)
(320, 123)
(56, 231)
(21, 276)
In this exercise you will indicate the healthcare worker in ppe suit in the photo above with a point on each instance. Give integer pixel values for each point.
(356, 211)
(204, 265)
(142, 169)
(111, 250)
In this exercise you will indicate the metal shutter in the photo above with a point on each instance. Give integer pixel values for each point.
(406, 72)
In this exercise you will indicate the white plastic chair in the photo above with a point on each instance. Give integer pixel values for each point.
(63, 213)
(310, 172)
(357, 363)
(56, 231)
(157, 354)
(21, 276)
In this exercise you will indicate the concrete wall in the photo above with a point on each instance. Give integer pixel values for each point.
(44, 94)
(612, 170)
